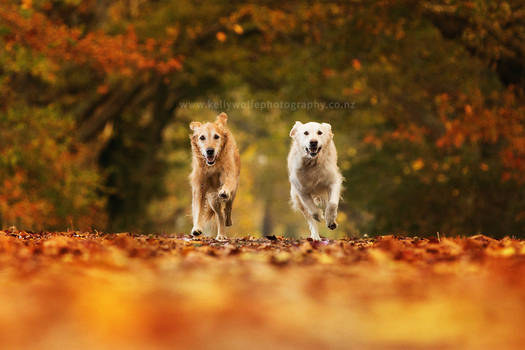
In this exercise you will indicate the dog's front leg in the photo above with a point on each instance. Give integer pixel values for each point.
(299, 204)
(333, 203)
(309, 204)
(215, 205)
(229, 185)
(196, 207)
(228, 212)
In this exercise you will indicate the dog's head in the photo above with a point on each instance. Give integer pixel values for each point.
(209, 138)
(311, 137)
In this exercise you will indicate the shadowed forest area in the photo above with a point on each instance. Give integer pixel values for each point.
(426, 100)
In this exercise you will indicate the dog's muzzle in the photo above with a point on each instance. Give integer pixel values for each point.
(313, 149)
(210, 156)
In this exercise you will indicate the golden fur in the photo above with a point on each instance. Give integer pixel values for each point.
(214, 180)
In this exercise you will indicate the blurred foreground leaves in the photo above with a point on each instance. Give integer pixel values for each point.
(84, 291)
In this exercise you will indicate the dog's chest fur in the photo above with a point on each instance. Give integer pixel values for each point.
(311, 176)
(210, 178)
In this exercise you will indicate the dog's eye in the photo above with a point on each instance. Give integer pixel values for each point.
(306, 133)
(216, 136)
(319, 132)
(202, 138)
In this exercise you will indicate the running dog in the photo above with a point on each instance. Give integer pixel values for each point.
(314, 176)
(215, 174)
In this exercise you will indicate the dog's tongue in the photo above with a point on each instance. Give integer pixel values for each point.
(314, 152)
(210, 159)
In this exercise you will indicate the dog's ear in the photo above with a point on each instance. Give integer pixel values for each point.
(194, 125)
(294, 129)
(328, 128)
(222, 118)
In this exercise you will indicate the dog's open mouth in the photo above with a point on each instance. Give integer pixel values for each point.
(210, 160)
(313, 152)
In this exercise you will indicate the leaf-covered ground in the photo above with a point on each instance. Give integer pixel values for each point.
(87, 291)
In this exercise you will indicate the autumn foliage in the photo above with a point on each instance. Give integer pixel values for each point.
(122, 53)
(426, 101)
(89, 290)
(94, 110)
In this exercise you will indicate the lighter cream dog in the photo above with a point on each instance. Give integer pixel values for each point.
(215, 175)
(314, 176)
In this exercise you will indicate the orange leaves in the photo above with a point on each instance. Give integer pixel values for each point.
(418, 164)
(48, 179)
(269, 20)
(329, 72)
(103, 89)
(472, 119)
(237, 28)
(121, 53)
(356, 64)
(409, 132)
(17, 205)
(221, 36)
(372, 139)
(165, 292)
(468, 110)
(474, 122)
(27, 4)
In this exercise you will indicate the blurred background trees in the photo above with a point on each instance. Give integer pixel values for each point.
(425, 98)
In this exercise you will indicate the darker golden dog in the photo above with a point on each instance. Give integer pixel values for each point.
(215, 175)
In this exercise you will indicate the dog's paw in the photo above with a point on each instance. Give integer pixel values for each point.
(315, 237)
(221, 238)
(224, 194)
(196, 232)
(332, 225)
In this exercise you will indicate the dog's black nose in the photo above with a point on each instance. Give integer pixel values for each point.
(313, 144)
(210, 151)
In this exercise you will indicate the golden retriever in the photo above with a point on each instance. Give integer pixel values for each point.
(215, 174)
(314, 176)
